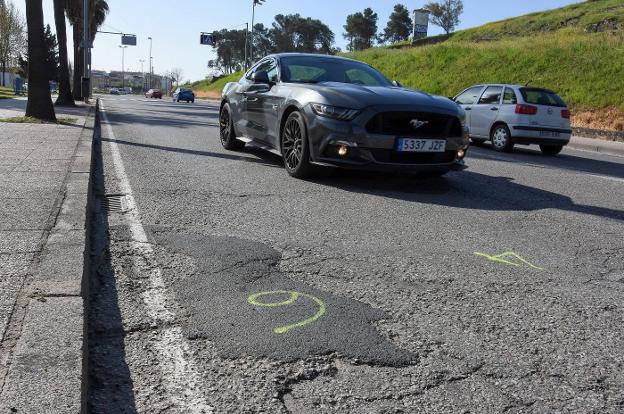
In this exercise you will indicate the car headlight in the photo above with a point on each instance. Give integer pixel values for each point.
(334, 112)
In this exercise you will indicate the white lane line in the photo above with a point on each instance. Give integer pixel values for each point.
(180, 374)
(605, 177)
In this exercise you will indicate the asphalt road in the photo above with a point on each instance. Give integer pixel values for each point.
(228, 286)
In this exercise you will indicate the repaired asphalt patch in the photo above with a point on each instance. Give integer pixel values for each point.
(216, 297)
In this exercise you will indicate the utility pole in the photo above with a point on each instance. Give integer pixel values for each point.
(123, 75)
(150, 64)
(142, 76)
(246, 45)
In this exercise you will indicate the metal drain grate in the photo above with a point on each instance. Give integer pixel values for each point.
(114, 203)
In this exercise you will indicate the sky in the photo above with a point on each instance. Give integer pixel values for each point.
(175, 25)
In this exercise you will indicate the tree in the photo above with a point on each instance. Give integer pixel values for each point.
(12, 38)
(445, 13)
(39, 99)
(399, 26)
(294, 33)
(51, 62)
(361, 30)
(176, 75)
(65, 97)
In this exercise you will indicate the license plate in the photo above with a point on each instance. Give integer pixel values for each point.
(421, 145)
(550, 134)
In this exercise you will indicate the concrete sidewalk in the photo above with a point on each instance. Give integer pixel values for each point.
(44, 196)
(597, 145)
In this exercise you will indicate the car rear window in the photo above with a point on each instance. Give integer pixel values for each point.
(537, 96)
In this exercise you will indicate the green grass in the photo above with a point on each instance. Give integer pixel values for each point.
(206, 87)
(31, 120)
(6, 92)
(550, 49)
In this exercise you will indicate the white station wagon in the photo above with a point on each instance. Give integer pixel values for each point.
(512, 114)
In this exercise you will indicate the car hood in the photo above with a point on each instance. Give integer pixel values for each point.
(359, 96)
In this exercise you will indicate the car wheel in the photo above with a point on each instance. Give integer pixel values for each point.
(551, 150)
(478, 141)
(226, 130)
(501, 139)
(295, 147)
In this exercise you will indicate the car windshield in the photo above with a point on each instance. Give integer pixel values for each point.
(313, 69)
(537, 96)
(185, 90)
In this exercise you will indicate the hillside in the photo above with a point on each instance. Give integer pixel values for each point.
(576, 50)
(205, 89)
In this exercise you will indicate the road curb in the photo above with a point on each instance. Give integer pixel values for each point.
(597, 145)
(48, 370)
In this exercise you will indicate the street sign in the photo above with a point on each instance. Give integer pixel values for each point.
(207, 39)
(421, 23)
(129, 40)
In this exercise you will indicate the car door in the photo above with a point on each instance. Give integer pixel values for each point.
(262, 106)
(485, 112)
(467, 99)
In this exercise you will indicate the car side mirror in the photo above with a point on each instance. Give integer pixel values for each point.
(261, 77)
(397, 84)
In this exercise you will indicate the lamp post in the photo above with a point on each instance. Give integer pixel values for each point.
(150, 64)
(253, 19)
(142, 76)
(123, 75)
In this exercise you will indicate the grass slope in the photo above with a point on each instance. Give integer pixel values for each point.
(205, 89)
(576, 50)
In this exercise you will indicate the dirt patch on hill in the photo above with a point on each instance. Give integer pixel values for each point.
(610, 119)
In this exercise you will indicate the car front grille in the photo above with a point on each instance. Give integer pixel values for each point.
(394, 157)
(402, 124)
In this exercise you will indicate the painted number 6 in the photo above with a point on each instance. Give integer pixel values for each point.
(293, 296)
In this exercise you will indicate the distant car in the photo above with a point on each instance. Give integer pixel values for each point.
(113, 91)
(183, 94)
(154, 93)
(512, 114)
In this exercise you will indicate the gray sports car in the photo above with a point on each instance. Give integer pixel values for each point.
(317, 110)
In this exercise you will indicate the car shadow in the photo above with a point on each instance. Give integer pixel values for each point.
(562, 161)
(258, 156)
(465, 190)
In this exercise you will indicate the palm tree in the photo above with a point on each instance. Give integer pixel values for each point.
(39, 100)
(98, 10)
(65, 96)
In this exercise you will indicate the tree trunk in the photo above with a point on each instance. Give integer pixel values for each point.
(78, 62)
(65, 97)
(39, 100)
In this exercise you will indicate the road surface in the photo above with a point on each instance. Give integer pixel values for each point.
(223, 285)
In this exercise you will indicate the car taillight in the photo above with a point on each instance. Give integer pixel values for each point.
(526, 109)
(565, 113)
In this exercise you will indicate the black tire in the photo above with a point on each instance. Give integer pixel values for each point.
(295, 147)
(551, 150)
(226, 130)
(478, 141)
(501, 138)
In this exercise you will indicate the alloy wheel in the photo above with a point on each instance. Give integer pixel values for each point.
(292, 144)
(225, 125)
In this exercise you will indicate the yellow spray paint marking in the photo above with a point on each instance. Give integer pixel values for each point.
(293, 296)
(503, 258)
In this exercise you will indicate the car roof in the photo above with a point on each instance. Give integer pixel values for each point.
(295, 54)
(509, 85)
